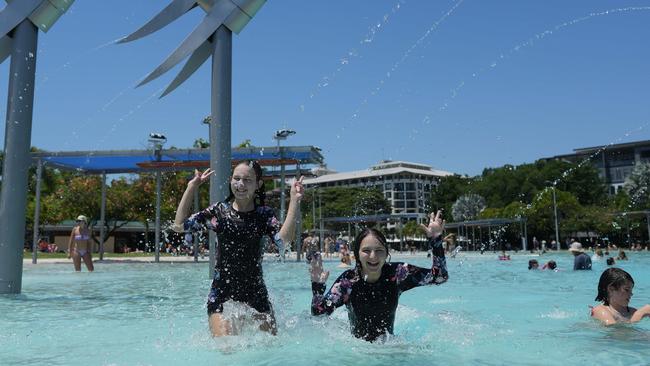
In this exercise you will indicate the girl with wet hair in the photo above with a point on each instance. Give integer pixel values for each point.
(371, 290)
(241, 221)
(615, 291)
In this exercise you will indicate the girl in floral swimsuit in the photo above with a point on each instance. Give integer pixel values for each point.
(371, 290)
(241, 221)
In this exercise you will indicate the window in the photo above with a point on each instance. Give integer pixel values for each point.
(398, 204)
(388, 195)
(410, 186)
(410, 204)
(399, 195)
(410, 195)
(388, 186)
(399, 186)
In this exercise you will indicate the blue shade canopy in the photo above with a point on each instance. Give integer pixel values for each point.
(136, 161)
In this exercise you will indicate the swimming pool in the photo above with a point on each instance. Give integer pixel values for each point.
(490, 313)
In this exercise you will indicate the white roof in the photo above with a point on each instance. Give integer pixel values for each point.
(368, 173)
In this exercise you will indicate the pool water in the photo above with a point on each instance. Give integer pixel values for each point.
(489, 313)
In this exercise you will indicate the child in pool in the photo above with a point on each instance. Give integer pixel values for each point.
(371, 290)
(241, 221)
(615, 291)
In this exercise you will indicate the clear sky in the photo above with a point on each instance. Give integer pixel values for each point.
(459, 85)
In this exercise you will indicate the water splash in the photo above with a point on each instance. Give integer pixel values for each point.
(396, 66)
(426, 120)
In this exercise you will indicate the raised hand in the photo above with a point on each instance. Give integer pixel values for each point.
(436, 225)
(297, 189)
(316, 269)
(200, 178)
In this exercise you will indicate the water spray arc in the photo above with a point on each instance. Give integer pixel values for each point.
(213, 36)
(19, 24)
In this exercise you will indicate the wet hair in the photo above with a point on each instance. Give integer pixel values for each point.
(356, 245)
(260, 194)
(551, 265)
(614, 277)
(610, 261)
(532, 262)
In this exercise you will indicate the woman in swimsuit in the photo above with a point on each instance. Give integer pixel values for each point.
(371, 290)
(615, 291)
(240, 222)
(80, 245)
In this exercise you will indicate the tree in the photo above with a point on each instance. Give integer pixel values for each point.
(636, 186)
(467, 207)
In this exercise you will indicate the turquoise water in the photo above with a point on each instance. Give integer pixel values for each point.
(490, 313)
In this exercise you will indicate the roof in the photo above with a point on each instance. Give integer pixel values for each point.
(585, 150)
(379, 171)
(135, 161)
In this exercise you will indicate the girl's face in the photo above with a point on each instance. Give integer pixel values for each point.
(620, 296)
(372, 255)
(244, 182)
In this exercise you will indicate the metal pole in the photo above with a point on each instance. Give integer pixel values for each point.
(102, 219)
(557, 230)
(18, 132)
(647, 217)
(298, 222)
(220, 126)
(282, 183)
(525, 236)
(157, 233)
(37, 209)
(320, 218)
(196, 236)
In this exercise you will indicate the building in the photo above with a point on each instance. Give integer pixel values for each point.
(407, 186)
(614, 162)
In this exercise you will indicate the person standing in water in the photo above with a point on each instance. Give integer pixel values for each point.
(240, 222)
(371, 290)
(615, 291)
(80, 246)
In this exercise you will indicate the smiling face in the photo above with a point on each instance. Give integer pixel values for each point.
(243, 183)
(372, 256)
(620, 296)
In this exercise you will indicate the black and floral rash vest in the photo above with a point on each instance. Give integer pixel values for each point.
(371, 306)
(238, 268)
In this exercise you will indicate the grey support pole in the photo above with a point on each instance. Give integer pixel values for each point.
(196, 235)
(37, 209)
(298, 233)
(220, 126)
(283, 206)
(647, 217)
(102, 219)
(320, 218)
(18, 132)
(157, 233)
(557, 229)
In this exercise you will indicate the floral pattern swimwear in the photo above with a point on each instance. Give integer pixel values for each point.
(371, 306)
(238, 269)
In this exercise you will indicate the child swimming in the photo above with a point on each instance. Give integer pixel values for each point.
(371, 290)
(615, 291)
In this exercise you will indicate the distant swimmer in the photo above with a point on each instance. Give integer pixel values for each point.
(371, 290)
(240, 222)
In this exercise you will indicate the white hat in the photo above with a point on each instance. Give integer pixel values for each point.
(82, 218)
(576, 247)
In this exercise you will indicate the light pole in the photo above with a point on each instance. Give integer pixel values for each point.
(282, 135)
(157, 140)
(557, 231)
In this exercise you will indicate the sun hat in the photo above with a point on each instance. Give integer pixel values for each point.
(82, 218)
(576, 247)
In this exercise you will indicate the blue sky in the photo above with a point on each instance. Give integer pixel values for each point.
(459, 85)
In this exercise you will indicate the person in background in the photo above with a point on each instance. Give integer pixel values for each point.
(610, 261)
(581, 260)
(621, 255)
(80, 245)
(615, 291)
(533, 264)
(550, 265)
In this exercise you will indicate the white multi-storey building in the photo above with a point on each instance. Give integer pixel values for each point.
(407, 186)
